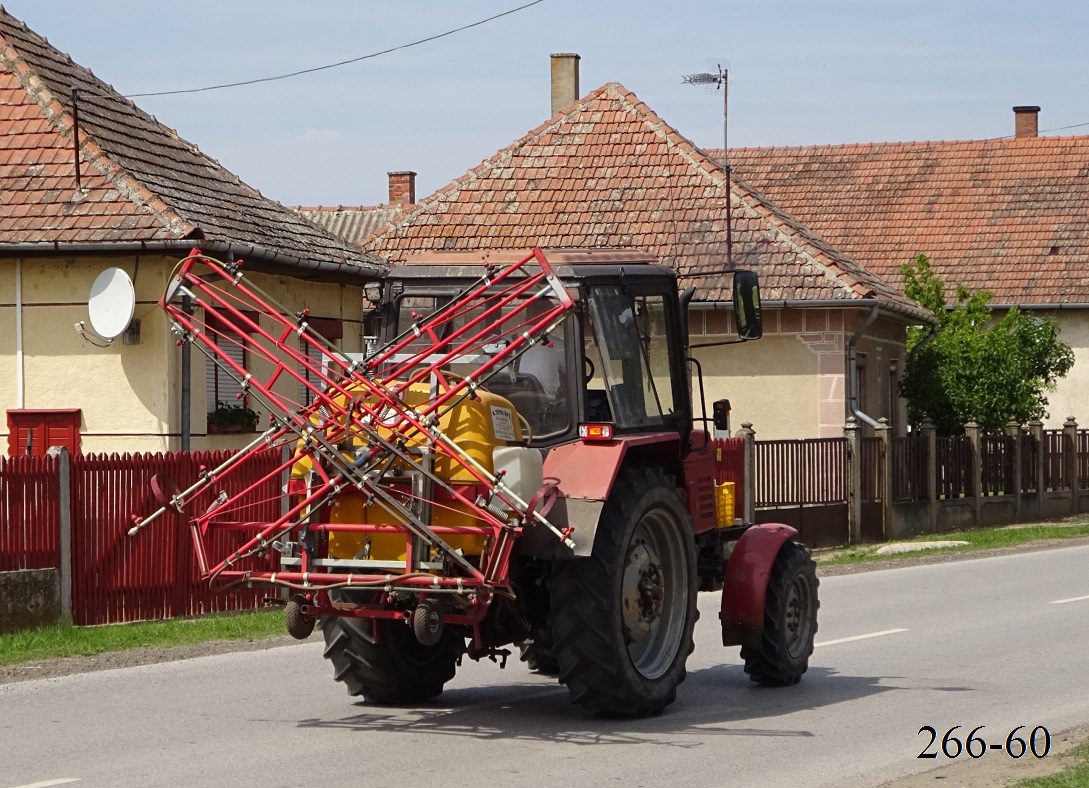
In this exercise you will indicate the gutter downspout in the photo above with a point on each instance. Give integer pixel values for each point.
(20, 394)
(852, 369)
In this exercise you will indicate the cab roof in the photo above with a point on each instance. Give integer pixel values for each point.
(567, 263)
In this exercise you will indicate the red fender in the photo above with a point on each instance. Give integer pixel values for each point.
(745, 585)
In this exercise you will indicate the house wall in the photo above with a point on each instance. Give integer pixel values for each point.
(122, 390)
(792, 382)
(129, 395)
(1068, 399)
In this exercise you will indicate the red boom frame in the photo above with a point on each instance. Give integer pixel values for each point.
(363, 400)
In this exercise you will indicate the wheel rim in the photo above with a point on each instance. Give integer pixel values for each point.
(799, 621)
(654, 593)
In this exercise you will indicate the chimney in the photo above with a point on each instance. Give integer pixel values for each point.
(402, 188)
(565, 80)
(1025, 122)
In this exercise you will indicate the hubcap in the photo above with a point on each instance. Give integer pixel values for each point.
(797, 619)
(654, 593)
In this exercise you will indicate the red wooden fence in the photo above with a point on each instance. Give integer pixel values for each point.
(29, 489)
(153, 575)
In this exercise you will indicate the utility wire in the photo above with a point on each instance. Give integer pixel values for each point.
(341, 63)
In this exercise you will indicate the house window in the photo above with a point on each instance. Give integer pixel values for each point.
(894, 395)
(861, 389)
(313, 359)
(32, 432)
(221, 385)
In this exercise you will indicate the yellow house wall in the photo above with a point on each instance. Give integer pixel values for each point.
(122, 390)
(792, 383)
(1069, 397)
(129, 395)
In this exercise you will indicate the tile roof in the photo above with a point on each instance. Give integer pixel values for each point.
(141, 183)
(352, 223)
(1008, 215)
(609, 172)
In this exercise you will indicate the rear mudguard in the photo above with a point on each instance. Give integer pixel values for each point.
(745, 585)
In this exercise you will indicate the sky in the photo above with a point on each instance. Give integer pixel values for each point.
(802, 72)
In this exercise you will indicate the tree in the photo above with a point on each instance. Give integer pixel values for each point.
(976, 367)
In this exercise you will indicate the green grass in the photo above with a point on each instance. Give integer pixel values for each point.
(68, 641)
(1076, 775)
(980, 539)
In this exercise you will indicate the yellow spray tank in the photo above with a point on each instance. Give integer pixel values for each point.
(478, 425)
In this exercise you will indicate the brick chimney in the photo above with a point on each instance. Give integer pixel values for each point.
(565, 80)
(402, 188)
(1025, 122)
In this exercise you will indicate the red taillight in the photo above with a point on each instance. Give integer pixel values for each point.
(596, 432)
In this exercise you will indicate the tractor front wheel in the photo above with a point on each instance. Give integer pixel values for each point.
(385, 663)
(622, 618)
(790, 620)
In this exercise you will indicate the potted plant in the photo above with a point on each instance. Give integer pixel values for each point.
(231, 418)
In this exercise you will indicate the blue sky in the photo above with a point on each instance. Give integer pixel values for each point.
(801, 73)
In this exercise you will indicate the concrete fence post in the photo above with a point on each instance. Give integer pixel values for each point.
(930, 435)
(64, 525)
(1013, 429)
(854, 481)
(1036, 430)
(888, 510)
(1070, 449)
(974, 433)
(748, 435)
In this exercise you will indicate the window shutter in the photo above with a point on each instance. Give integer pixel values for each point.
(220, 384)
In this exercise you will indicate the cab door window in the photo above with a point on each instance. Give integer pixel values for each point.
(629, 347)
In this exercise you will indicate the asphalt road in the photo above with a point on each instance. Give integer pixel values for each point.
(999, 642)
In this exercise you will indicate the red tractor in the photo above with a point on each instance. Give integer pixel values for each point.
(518, 464)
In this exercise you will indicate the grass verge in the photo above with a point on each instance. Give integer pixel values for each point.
(1075, 775)
(69, 641)
(981, 539)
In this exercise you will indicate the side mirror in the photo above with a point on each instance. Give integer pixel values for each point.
(747, 305)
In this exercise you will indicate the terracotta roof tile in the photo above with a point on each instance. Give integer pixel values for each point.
(1010, 216)
(140, 182)
(610, 172)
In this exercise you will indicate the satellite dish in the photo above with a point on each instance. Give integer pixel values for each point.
(112, 303)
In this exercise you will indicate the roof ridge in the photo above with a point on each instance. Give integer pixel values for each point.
(905, 145)
(54, 111)
(380, 206)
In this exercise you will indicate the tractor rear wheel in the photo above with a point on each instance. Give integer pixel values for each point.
(622, 619)
(392, 668)
(790, 620)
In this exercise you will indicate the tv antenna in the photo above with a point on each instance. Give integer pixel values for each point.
(720, 80)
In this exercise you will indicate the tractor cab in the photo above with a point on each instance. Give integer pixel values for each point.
(612, 366)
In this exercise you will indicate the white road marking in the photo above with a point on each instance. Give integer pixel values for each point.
(858, 637)
(1071, 599)
(47, 783)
